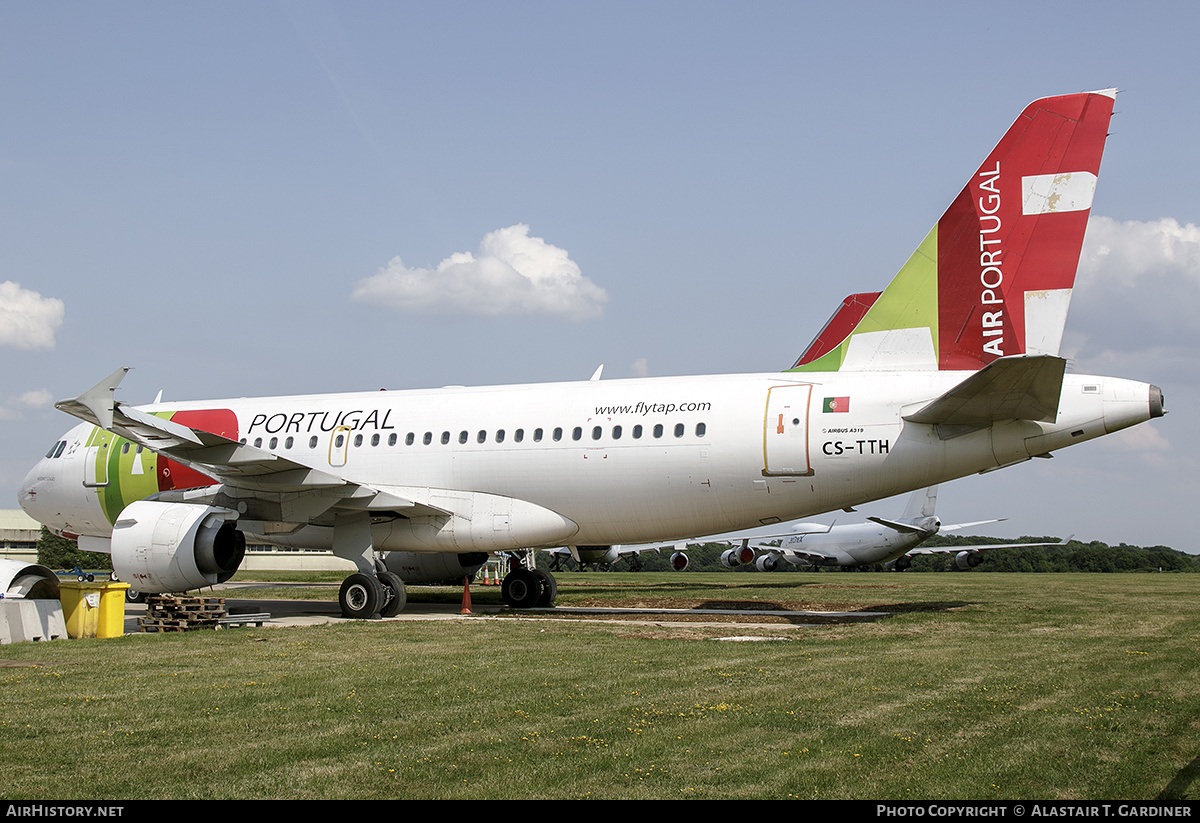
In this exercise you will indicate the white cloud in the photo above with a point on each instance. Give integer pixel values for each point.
(36, 399)
(30, 400)
(1136, 294)
(639, 367)
(1123, 253)
(28, 320)
(512, 274)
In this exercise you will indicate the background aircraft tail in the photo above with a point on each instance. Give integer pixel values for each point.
(994, 276)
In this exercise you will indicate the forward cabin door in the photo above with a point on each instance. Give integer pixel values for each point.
(785, 431)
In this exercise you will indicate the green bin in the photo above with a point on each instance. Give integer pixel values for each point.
(93, 609)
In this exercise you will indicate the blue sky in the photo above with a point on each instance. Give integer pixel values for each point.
(254, 198)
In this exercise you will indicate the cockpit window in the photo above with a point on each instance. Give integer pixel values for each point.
(57, 449)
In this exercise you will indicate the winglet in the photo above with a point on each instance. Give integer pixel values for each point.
(96, 404)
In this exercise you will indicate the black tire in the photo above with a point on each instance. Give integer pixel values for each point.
(134, 596)
(549, 589)
(361, 596)
(521, 589)
(395, 596)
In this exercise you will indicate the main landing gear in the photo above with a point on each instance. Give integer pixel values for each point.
(524, 588)
(363, 596)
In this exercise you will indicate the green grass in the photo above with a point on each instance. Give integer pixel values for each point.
(978, 687)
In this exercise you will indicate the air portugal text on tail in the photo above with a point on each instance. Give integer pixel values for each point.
(953, 369)
(993, 278)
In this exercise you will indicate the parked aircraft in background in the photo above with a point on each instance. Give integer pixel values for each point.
(892, 543)
(602, 556)
(952, 370)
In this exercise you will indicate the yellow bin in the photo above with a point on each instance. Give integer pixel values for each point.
(93, 609)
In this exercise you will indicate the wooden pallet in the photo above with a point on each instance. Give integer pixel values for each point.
(181, 613)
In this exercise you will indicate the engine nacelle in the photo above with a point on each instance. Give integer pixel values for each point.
(968, 560)
(175, 547)
(732, 558)
(899, 564)
(679, 561)
(767, 563)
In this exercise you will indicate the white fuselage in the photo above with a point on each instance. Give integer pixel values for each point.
(616, 461)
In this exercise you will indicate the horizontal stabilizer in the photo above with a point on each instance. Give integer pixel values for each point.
(1023, 387)
(897, 525)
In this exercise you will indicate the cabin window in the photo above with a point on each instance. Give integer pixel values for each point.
(518, 435)
(357, 440)
(375, 440)
(312, 442)
(124, 448)
(558, 434)
(679, 429)
(576, 433)
(428, 438)
(537, 435)
(337, 441)
(392, 439)
(462, 437)
(637, 432)
(658, 430)
(409, 439)
(616, 433)
(287, 444)
(499, 435)
(445, 438)
(258, 443)
(701, 429)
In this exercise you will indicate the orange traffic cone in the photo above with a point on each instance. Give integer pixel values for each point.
(466, 604)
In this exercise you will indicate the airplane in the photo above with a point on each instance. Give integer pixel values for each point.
(891, 543)
(952, 370)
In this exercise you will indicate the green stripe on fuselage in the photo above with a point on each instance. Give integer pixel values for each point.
(131, 472)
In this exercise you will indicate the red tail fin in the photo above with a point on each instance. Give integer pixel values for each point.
(994, 276)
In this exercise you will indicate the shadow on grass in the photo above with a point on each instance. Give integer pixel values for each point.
(1177, 789)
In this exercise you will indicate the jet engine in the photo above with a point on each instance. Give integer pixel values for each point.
(967, 560)
(900, 563)
(767, 563)
(732, 558)
(679, 561)
(175, 547)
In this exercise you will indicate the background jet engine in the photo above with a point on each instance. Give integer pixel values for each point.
(175, 547)
(679, 562)
(968, 560)
(739, 556)
(767, 563)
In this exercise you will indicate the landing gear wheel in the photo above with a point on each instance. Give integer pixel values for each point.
(361, 596)
(394, 594)
(521, 589)
(549, 588)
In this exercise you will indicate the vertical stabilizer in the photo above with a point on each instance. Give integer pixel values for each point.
(921, 504)
(993, 278)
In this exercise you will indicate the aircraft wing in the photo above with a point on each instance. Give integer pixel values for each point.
(253, 472)
(984, 547)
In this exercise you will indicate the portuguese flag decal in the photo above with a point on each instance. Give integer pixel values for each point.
(836, 404)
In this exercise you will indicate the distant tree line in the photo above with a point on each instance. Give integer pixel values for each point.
(1074, 556)
(56, 552)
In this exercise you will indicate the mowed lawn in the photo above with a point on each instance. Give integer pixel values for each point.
(976, 686)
